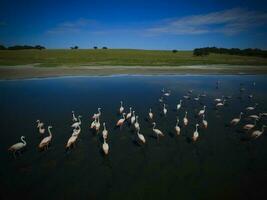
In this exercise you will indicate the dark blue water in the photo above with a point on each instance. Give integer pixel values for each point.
(225, 163)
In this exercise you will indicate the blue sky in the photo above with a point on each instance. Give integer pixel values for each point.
(135, 24)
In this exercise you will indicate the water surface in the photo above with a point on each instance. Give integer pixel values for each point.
(223, 164)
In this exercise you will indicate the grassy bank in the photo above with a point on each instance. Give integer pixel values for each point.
(112, 57)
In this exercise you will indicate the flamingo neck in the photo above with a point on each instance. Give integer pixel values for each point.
(50, 134)
(154, 126)
(24, 142)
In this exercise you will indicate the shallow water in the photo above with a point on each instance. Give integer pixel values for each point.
(225, 163)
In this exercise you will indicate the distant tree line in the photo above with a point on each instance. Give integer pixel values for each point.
(20, 47)
(233, 51)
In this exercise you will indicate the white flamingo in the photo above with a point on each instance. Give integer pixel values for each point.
(41, 129)
(47, 140)
(202, 112)
(177, 128)
(250, 108)
(185, 119)
(105, 147)
(133, 118)
(39, 123)
(129, 115)
(121, 121)
(74, 118)
(219, 100)
(141, 137)
(258, 133)
(136, 124)
(250, 126)
(195, 134)
(255, 116)
(164, 109)
(18, 146)
(235, 121)
(121, 108)
(179, 105)
(97, 125)
(105, 132)
(97, 115)
(150, 114)
(71, 141)
(157, 131)
(78, 123)
(204, 122)
(220, 104)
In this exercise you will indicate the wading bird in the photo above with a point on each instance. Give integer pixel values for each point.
(202, 112)
(150, 114)
(105, 147)
(235, 121)
(47, 140)
(121, 121)
(157, 131)
(220, 104)
(219, 100)
(250, 126)
(204, 122)
(76, 124)
(177, 128)
(76, 131)
(40, 127)
(129, 115)
(185, 119)
(179, 105)
(136, 124)
(164, 109)
(141, 137)
(105, 132)
(97, 125)
(97, 115)
(74, 118)
(121, 108)
(255, 116)
(258, 133)
(93, 124)
(251, 108)
(195, 134)
(18, 146)
(133, 118)
(71, 141)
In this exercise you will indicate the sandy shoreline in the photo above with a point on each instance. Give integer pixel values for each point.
(33, 71)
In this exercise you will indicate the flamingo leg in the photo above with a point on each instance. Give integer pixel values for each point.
(14, 154)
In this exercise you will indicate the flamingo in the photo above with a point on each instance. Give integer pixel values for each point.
(133, 118)
(76, 131)
(40, 126)
(161, 99)
(167, 93)
(97, 125)
(105, 147)
(96, 115)
(186, 97)
(220, 104)
(250, 126)
(197, 98)
(121, 121)
(121, 108)
(74, 118)
(141, 137)
(129, 115)
(136, 124)
(105, 132)
(264, 114)
(235, 121)
(93, 124)
(258, 133)
(71, 141)
(164, 109)
(150, 114)
(195, 134)
(255, 116)
(18, 146)
(204, 122)
(219, 100)
(157, 131)
(251, 108)
(202, 112)
(76, 124)
(177, 128)
(179, 105)
(185, 119)
(46, 141)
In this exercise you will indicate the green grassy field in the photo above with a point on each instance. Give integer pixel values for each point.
(119, 57)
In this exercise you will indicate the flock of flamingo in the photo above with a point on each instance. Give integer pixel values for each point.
(132, 119)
